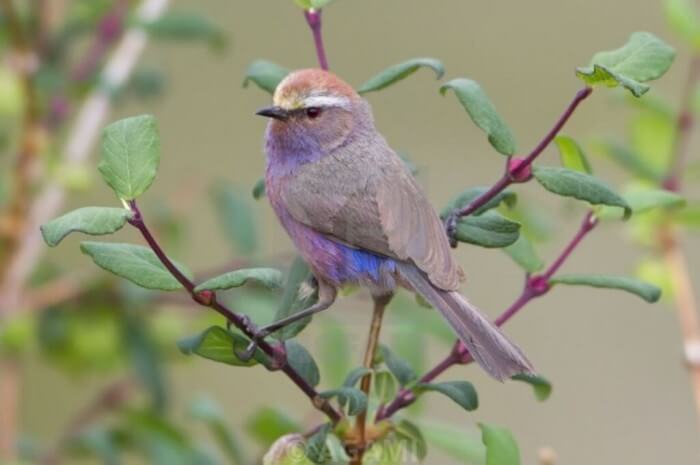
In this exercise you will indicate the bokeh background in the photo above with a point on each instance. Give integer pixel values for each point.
(621, 392)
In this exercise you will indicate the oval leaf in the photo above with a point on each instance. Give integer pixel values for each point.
(350, 397)
(634, 286)
(523, 253)
(136, 263)
(265, 74)
(501, 448)
(292, 300)
(571, 155)
(415, 442)
(489, 230)
(217, 344)
(462, 392)
(569, 183)
(301, 360)
(643, 58)
(268, 277)
(541, 387)
(463, 199)
(130, 155)
(398, 367)
(400, 71)
(385, 386)
(89, 220)
(483, 113)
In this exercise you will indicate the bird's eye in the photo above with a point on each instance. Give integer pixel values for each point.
(313, 112)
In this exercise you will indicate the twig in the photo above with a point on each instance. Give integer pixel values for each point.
(535, 286)
(513, 173)
(313, 18)
(81, 139)
(208, 299)
(375, 328)
(10, 386)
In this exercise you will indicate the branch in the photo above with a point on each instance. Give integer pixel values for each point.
(313, 18)
(81, 139)
(208, 299)
(516, 172)
(535, 286)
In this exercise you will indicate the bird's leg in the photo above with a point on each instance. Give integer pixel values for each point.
(326, 297)
(451, 228)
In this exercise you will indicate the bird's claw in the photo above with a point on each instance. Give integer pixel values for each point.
(247, 354)
(451, 229)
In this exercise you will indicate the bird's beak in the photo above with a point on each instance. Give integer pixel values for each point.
(273, 112)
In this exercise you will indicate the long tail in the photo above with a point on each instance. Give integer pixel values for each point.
(487, 344)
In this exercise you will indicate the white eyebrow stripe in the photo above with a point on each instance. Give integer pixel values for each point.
(326, 101)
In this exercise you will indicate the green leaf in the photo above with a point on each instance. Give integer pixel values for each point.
(385, 386)
(466, 197)
(265, 74)
(634, 286)
(630, 161)
(355, 375)
(130, 155)
(208, 411)
(483, 113)
(136, 263)
(643, 200)
(268, 277)
(581, 186)
(259, 189)
(653, 134)
(682, 16)
(89, 220)
(456, 443)
(237, 218)
(268, 424)
(541, 386)
(501, 448)
(571, 155)
(178, 25)
(316, 449)
(400, 71)
(399, 367)
(415, 442)
(301, 360)
(523, 253)
(145, 360)
(350, 397)
(220, 345)
(313, 4)
(462, 392)
(292, 303)
(689, 216)
(489, 230)
(643, 58)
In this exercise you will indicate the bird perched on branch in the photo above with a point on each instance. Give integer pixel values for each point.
(357, 215)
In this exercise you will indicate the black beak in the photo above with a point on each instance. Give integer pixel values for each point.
(273, 112)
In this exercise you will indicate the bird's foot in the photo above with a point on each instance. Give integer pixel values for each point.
(451, 229)
(257, 336)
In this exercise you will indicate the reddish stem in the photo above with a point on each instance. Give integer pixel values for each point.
(511, 174)
(313, 18)
(535, 286)
(208, 299)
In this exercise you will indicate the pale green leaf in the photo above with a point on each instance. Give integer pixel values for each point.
(88, 220)
(136, 263)
(571, 155)
(501, 448)
(265, 74)
(634, 286)
(541, 386)
(683, 17)
(398, 366)
(400, 71)
(523, 253)
(220, 345)
(268, 277)
(483, 113)
(130, 155)
(490, 230)
(464, 198)
(350, 398)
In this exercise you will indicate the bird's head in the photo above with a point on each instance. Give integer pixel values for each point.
(313, 106)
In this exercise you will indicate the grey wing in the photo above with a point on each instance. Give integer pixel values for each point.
(370, 200)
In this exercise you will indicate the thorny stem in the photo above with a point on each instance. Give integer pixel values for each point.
(509, 177)
(535, 286)
(208, 299)
(313, 18)
(380, 304)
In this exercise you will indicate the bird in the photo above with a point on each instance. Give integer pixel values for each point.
(357, 216)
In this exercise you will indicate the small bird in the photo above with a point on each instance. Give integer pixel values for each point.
(358, 216)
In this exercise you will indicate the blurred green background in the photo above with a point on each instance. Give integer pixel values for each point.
(621, 393)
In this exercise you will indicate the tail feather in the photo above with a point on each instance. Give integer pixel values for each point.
(486, 343)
